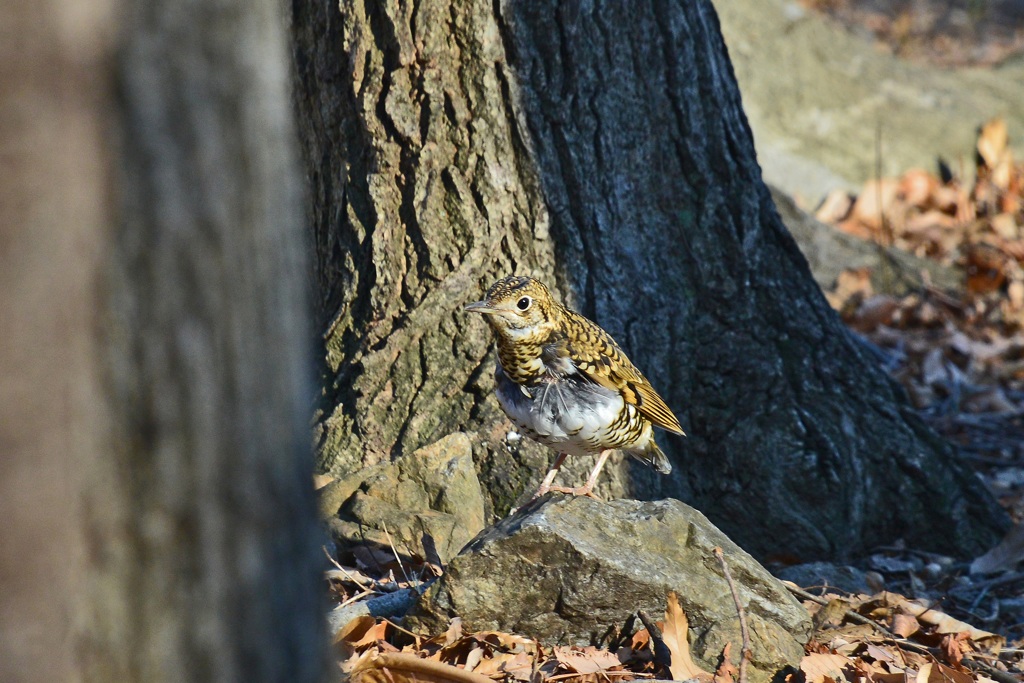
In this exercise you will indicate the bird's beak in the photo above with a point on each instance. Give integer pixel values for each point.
(479, 307)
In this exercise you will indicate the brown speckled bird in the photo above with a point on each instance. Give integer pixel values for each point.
(566, 383)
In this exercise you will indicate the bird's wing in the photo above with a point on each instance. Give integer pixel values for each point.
(599, 358)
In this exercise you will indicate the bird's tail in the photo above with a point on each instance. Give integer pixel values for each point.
(652, 456)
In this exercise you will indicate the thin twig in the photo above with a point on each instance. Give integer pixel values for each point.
(329, 558)
(661, 652)
(849, 614)
(574, 674)
(884, 228)
(651, 627)
(404, 630)
(932, 557)
(744, 633)
(977, 600)
(999, 581)
(398, 559)
(357, 597)
(991, 671)
(344, 571)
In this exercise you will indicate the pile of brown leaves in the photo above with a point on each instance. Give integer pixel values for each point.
(884, 638)
(959, 355)
(938, 216)
(377, 650)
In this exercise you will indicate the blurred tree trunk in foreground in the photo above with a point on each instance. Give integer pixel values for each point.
(157, 506)
(439, 136)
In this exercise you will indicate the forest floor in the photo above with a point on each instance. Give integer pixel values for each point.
(960, 357)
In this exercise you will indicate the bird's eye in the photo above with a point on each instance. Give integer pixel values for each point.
(524, 303)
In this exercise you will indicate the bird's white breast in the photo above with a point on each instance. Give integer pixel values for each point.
(571, 415)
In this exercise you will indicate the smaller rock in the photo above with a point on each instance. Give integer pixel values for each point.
(895, 565)
(575, 570)
(826, 575)
(387, 605)
(433, 492)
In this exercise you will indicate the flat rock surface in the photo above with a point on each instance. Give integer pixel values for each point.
(575, 570)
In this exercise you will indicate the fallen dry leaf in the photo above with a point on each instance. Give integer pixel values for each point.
(473, 658)
(354, 636)
(853, 286)
(874, 311)
(640, 640)
(400, 667)
(917, 186)
(875, 201)
(454, 631)
(361, 631)
(953, 648)
(995, 154)
(726, 672)
(1006, 555)
(519, 666)
(943, 623)
(674, 634)
(588, 660)
(904, 625)
(881, 654)
(924, 673)
(940, 673)
(992, 141)
(819, 666)
(835, 207)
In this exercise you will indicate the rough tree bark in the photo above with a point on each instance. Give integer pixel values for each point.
(422, 189)
(155, 404)
(603, 146)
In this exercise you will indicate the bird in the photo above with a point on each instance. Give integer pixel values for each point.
(566, 383)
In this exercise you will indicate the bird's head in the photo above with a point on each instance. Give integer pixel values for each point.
(518, 307)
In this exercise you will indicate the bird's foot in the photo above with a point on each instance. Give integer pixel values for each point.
(585, 490)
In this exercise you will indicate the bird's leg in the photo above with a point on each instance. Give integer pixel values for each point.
(545, 485)
(588, 488)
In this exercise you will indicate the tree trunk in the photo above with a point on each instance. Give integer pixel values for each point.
(422, 190)
(162, 526)
(52, 221)
(439, 135)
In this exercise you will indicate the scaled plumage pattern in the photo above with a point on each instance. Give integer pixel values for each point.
(565, 382)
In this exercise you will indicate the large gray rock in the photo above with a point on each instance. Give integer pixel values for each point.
(815, 95)
(569, 570)
(433, 491)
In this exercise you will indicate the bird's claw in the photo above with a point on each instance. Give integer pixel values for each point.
(576, 491)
